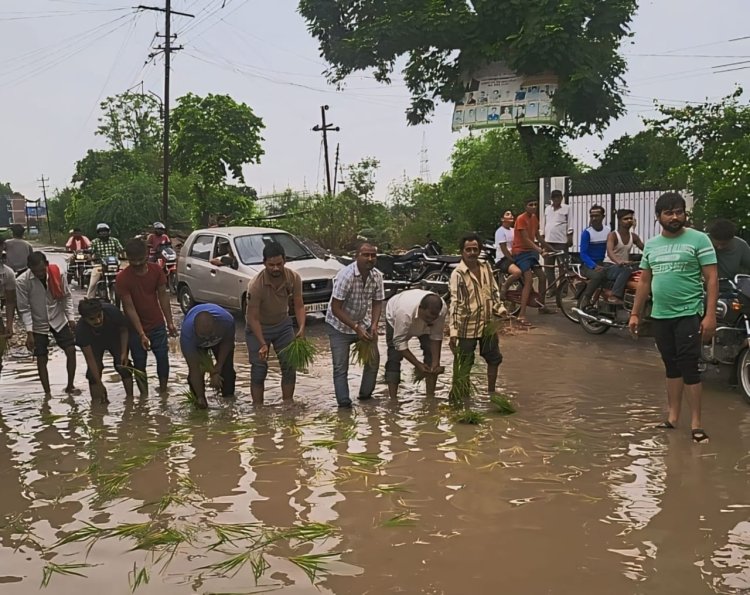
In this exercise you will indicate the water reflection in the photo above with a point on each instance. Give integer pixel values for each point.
(409, 500)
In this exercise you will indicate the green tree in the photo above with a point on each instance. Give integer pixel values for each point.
(442, 41)
(656, 160)
(213, 137)
(131, 121)
(716, 139)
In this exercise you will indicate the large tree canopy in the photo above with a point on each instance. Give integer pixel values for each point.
(442, 40)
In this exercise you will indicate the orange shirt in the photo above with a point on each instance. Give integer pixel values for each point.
(531, 224)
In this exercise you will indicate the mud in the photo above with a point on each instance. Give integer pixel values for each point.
(575, 493)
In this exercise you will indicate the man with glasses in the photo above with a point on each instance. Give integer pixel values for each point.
(207, 329)
(617, 262)
(593, 251)
(674, 265)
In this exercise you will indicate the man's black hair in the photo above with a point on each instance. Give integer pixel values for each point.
(469, 237)
(556, 193)
(669, 201)
(597, 208)
(89, 307)
(273, 249)
(722, 230)
(432, 302)
(624, 213)
(135, 248)
(35, 259)
(17, 230)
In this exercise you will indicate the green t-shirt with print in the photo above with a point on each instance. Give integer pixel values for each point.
(675, 264)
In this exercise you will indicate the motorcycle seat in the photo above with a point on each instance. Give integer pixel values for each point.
(443, 258)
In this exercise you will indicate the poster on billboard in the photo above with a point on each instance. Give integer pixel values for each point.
(495, 96)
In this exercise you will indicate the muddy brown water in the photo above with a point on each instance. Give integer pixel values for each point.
(575, 493)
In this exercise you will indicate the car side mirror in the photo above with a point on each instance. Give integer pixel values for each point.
(235, 265)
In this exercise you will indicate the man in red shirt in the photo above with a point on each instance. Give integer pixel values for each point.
(156, 240)
(142, 287)
(527, 247)
(77, 241)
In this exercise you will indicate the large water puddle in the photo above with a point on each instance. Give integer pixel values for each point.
(574, 493)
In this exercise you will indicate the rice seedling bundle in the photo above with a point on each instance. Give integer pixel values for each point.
(469, 416)
(502, 404)
(491, 328)
(300, 353)
(364, 352)
(462, 386)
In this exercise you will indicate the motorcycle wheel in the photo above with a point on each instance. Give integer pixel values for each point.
(590, 327)
(101, 291)
(743, 373)
(172, 283)
(566, 298)
(439, 277)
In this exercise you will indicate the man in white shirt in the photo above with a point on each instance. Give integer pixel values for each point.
(557, 232)
(46, 307)
(504, 252)
(414, 313)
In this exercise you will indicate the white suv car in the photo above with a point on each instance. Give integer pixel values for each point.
(216, 264)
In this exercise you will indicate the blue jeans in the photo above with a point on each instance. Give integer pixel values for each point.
(159, 347)
(340, 352)
(278, 336)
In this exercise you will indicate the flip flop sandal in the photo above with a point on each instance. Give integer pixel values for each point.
(699, 436)
(665, 425)
(523, 322)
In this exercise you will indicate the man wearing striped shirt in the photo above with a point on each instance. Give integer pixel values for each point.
(475, 303)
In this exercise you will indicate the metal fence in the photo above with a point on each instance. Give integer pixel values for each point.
(612, 193)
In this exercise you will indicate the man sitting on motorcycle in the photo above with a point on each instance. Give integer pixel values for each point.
(732, 253)
(77, 241)
(593, 251)
(101, 247)
(156, 240)
(617, 263)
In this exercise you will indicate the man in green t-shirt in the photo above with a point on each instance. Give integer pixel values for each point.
(674, 265)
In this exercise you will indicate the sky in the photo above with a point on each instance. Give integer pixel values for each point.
(60, 58)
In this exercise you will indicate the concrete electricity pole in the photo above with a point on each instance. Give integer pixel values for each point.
(325, 129)
(167, 48)
(44, 181)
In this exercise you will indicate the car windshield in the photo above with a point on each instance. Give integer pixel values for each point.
(250, 248)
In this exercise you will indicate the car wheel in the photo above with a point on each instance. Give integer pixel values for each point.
(185, 297)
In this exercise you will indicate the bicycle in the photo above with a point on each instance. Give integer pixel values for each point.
(566, 288)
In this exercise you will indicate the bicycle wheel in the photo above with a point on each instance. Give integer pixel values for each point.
(566, 297)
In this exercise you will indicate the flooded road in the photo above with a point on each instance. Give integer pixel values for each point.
(575, 493)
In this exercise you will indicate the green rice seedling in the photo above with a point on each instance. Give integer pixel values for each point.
(259, 566)
(205, 361)
(402, 519)
(234, 532)
(503, 404)
(300, 353)
(307, 532)
(232, 565)
(469, 416)
(137, 577)
(462, 387)
(491, 328)
(365, 459)
(139, 375)
(364, 353)
(313, 564)
(157, 539)
(110, 487)
(389, 488)
(50, 569)
(324, 444)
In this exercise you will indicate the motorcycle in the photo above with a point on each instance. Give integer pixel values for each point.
(80, 262)
(601, 317)
(166, 258)
(424, 266)
(729, 345)
(105, 288)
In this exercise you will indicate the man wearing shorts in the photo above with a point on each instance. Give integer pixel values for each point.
(46, 308)
(674, 264)
(527, 248)
(504, 252)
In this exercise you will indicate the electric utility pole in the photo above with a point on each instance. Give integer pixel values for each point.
(167, 48)
(325, 129)
(44, 181)
(336, 171)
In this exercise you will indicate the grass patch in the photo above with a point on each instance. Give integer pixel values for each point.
(469, 416)
(300, 353)
(502, 404)
(364, 352)
(51, 569)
